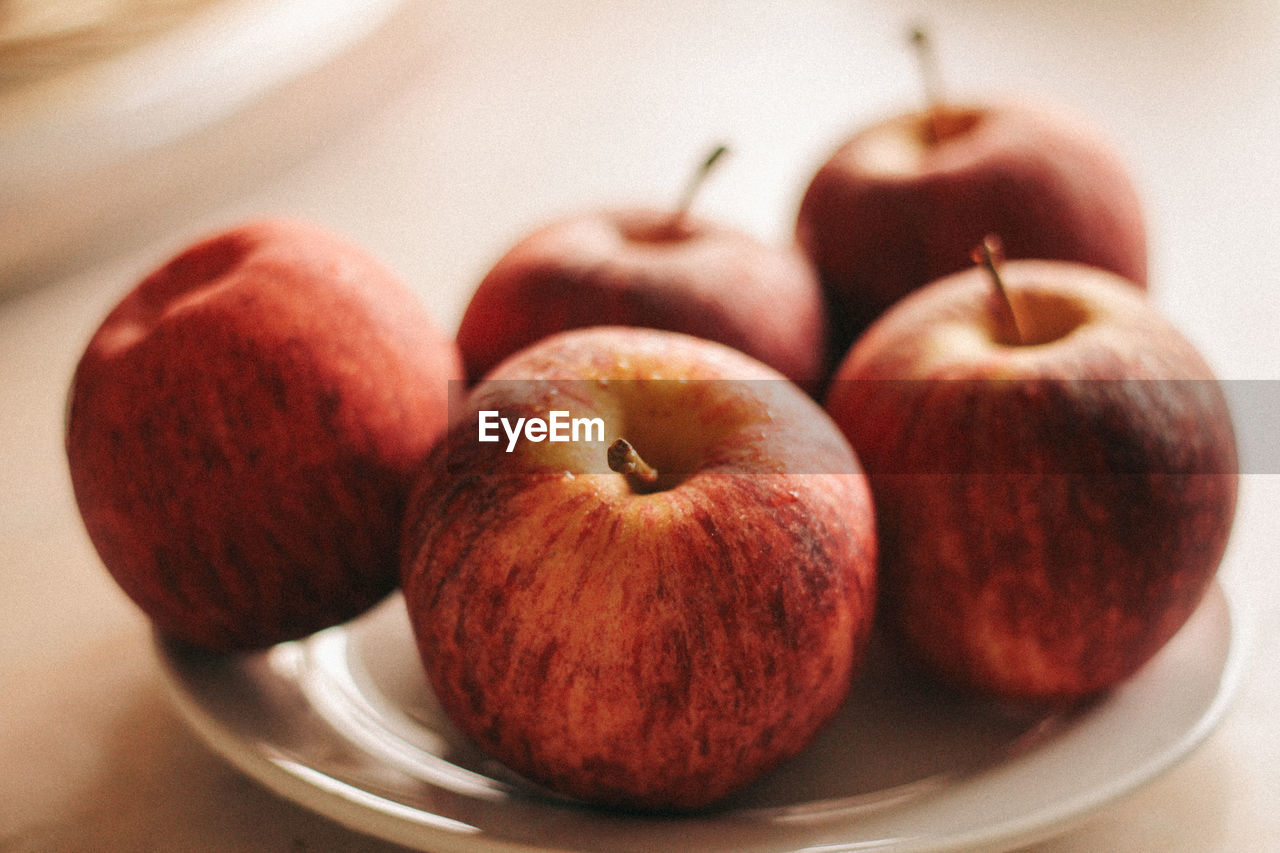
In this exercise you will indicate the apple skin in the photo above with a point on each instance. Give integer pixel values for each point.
(641, 267)
(891, 211)
(1049, 514)
(642, 651)
(242, 432)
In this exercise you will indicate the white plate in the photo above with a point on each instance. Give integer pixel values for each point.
(344, 723)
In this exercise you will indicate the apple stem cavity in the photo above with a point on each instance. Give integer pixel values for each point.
(927, 61)
(990, 253)
(694, 185)
(624, 459)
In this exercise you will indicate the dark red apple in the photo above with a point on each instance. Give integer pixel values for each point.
(1054, 476)
(648, 623)
(655, 268)
(243, 428)
(904, 200)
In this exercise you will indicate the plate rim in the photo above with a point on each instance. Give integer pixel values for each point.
(380, 817)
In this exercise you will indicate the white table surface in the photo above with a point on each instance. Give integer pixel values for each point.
(460, 125)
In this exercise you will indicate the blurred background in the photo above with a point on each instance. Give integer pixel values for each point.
(393, 120)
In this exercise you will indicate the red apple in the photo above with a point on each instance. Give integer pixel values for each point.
(242, 430)
(657, 637)
(655, 268)
(1054, 494)
(904, 200)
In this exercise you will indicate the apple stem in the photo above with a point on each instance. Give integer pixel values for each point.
(927, 61)
(624, 459)
(695, 184)
(991, 255)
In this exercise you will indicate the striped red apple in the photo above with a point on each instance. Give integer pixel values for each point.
(242, 430)
(1053, 466)
(654, 622)
(655, 268)
(905, 198)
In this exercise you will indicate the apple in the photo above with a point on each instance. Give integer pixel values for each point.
(243, 428)
(655, 614)
(904, 200)
(646, 266)
(1054, 475)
